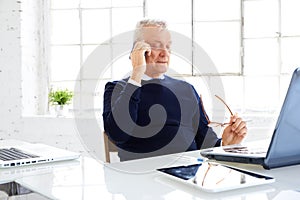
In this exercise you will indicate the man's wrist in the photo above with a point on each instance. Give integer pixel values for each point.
(133, 82)
(137, 77)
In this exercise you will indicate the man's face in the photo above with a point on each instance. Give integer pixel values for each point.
(160, 42)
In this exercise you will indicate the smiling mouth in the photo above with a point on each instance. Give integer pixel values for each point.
(162, 62)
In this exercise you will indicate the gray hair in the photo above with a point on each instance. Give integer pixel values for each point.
(147, 23)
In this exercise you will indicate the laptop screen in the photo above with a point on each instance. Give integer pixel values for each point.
(284, 148)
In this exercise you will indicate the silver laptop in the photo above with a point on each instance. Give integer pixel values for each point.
(18, 153)
(284, 148)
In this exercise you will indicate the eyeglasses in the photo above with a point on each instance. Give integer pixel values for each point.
(215, 178)
(215, 124)
(158, 47)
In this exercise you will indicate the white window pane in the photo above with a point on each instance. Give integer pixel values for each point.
(98, 104)
(87, 50)
(65, 27)
(233, 96)
(201, 85)
(95, 26)
(184, 29)
(221, 41)
(98, 99)
(65, 63)
(125, 19)
(58, 4)
(89, 86)
(261, 93)
(70, 85)
(217, 10)
(91, 75)
(181, 52)
(121, 67)
(87, 102)
(107, 73)
(290, 54)
(127, 3)
(234, 91)
(260, 18)
(284, 85)
(261, 56)
(179, 66)
(95, 3)
(290, 17)
(97, 61)
(170, 10)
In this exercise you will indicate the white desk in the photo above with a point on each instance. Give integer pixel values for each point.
(136, 180)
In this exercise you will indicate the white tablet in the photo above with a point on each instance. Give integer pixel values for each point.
(214, 177)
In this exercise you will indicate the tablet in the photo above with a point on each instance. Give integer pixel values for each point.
(214, 177)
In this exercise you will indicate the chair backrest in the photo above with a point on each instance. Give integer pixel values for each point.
(109, 146)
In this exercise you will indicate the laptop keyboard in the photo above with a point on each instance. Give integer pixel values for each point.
(14, 154)
(245, 150)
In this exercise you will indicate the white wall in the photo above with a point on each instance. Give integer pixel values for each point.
(23, 84)
(10, 69)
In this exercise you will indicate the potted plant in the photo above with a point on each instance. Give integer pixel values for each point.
(60, 98)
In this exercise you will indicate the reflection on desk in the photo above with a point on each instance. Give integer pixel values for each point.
(138, 180)
(14, 191)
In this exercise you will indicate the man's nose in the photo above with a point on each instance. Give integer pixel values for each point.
(165, 51)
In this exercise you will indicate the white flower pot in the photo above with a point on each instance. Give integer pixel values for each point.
(60, 110)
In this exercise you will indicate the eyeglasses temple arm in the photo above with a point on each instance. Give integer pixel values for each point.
(225, 104)
(203, 110)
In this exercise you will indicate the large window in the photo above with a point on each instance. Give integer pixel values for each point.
(252, 43)
(77, 28)
(218, 31)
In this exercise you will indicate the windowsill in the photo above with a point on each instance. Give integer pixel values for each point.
(72, 114)
(50, 116)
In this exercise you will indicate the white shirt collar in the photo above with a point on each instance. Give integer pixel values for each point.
(147, 78)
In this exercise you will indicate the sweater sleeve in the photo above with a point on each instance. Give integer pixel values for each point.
(118, 97)
(205, 136)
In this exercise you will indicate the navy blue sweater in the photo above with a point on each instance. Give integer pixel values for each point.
(161, 117)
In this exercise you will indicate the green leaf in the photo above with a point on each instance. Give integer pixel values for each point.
(60, 97)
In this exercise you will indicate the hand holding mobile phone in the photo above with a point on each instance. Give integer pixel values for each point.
(141, 46)
(140, 50)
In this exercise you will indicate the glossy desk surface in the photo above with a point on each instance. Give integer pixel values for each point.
(86, 178)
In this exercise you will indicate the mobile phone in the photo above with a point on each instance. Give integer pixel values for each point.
(145, 54)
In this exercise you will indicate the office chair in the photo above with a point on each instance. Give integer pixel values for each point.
(109, 147)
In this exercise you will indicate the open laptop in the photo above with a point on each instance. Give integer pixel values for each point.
(18, 153)
(284, 148)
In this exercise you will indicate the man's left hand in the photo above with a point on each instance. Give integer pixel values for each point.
(235, 132)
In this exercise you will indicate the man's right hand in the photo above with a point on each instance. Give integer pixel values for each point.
(138, 60)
